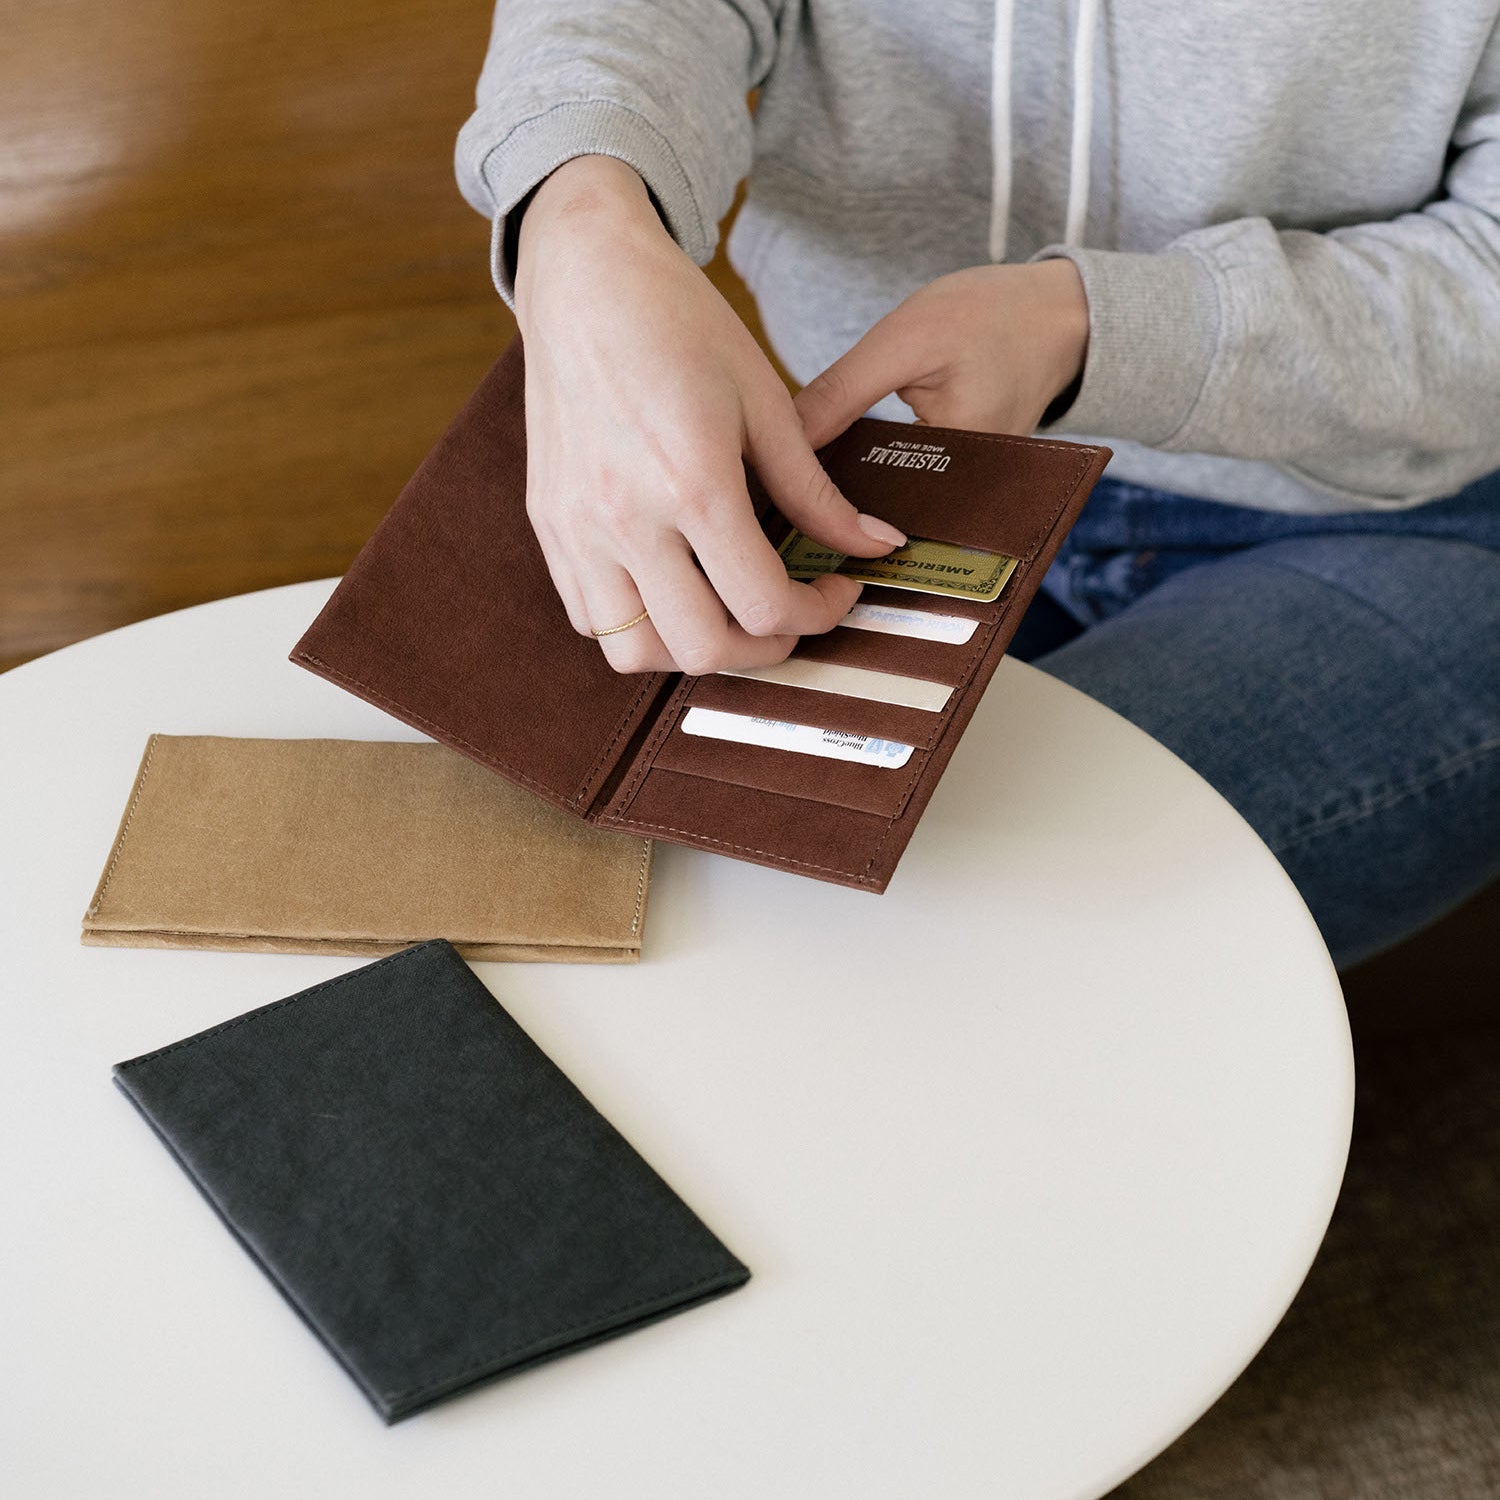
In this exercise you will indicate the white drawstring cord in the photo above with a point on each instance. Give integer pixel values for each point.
(1000, 128)
(1083, 121)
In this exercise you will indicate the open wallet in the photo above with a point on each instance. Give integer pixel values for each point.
(448, 619)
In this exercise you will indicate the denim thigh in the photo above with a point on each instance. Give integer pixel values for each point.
(1343, 693)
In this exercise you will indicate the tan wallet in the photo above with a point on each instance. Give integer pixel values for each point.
(448, 620)
(358, 847)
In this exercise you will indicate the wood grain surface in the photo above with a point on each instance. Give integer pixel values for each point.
(240, 295)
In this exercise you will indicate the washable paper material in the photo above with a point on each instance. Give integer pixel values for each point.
(424, 1185)
(448, 619)
(359, 847)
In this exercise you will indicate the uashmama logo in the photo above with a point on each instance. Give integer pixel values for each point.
(903, 455)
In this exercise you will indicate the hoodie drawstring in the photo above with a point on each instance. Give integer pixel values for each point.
(1000, 128)
(1086, 24)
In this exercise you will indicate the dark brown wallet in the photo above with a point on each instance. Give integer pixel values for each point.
(448, 620)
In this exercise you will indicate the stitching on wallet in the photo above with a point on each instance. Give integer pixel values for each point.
(653, 681)
(114, 859)
(489, 1361)
(640, 887)
(710, 842)
(647, 758)
(265, 1010)
(917, 774)
(483, 756)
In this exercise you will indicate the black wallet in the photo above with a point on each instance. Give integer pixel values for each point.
(422, 1183)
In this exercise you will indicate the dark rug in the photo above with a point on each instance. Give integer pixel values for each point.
(1383, 1380)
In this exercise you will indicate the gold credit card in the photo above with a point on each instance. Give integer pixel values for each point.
(926, 567)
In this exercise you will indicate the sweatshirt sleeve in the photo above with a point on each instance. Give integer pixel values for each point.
(1345, 357)
(660, 84)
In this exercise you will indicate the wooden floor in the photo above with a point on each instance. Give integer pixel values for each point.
(240, 295)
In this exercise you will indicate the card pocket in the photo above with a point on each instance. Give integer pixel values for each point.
(932, 604)
(786, 833)
(799, 705)
(882, 790)
(901, 655)
(984, 612)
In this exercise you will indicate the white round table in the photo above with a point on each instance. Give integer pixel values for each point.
(1027, 1156)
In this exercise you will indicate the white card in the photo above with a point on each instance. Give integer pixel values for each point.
(888, 619)
(850, 682)
(833, 744)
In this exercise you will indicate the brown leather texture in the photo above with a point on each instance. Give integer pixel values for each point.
(358, 847)
(448, 620)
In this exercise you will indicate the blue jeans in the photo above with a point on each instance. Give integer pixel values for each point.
(1336, 678)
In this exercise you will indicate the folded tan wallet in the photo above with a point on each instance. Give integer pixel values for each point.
(358, 847)
(448, 620)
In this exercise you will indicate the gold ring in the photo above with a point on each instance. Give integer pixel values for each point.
(616, 629)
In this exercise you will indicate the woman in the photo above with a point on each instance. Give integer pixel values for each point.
(1255, 249)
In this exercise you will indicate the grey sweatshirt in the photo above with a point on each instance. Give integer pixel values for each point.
(1286, 216)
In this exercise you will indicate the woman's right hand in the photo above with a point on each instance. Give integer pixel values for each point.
(643, 390)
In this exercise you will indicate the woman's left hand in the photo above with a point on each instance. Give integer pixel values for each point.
(988, 348)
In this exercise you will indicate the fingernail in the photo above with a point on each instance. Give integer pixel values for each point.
(881, 531)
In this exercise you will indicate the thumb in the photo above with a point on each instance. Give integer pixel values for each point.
(802, 490)
(877, 364)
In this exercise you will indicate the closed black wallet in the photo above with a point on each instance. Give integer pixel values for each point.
(438, 1201)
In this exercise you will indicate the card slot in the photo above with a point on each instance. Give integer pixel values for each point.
(937, 604)
(789, 773)
(797, 705)
(786, 833)
(901, 655)
(1015, 535)
(940, 604)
